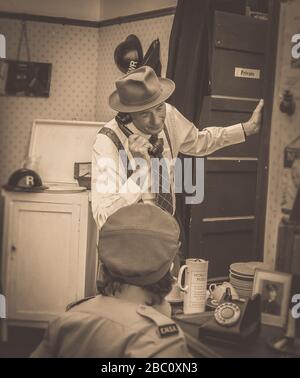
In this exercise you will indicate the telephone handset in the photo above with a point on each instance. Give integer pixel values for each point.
(125, 118)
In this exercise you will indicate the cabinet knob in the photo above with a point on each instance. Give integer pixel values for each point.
(13, 248)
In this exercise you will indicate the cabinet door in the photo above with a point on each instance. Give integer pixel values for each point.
(43, 248)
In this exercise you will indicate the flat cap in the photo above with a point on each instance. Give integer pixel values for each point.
(138, 244)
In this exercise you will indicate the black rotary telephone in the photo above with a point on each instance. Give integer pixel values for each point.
(124, 119)
(233, 321)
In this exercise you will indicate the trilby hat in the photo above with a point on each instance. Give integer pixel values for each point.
(140, 90)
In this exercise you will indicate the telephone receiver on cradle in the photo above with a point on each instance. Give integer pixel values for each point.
(124, 119)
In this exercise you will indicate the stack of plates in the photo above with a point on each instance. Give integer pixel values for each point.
(242, 276)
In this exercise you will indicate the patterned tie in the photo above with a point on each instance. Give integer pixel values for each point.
(163, 198)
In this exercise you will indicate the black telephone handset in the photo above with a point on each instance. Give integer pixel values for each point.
(233, 321)
(124, 119)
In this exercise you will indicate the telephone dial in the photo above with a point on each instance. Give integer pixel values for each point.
(158, 143)
(227, 314)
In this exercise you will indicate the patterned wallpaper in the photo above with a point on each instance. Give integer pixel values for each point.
(284, 129)
(73, 53)
(83, 74)
(79, 55)
(110, 37)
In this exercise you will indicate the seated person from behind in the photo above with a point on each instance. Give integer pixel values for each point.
(131, 318)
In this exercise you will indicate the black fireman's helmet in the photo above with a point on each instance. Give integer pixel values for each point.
(25, 180)
(129, 54)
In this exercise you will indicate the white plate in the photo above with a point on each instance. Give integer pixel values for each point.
(247, 269)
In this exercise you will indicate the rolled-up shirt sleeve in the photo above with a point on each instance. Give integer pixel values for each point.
(111, 190)
(204, 142)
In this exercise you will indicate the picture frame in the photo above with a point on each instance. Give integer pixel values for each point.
(22, 78)
(274, 288)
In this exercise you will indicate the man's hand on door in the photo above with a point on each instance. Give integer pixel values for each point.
(254, 124)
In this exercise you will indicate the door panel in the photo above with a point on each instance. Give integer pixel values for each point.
(226, 82)
(223, 241)
(228, 193)
(231, 31)
(223, 248)
(239, 43)
(222, 227)
(225, 111)
(43, 249)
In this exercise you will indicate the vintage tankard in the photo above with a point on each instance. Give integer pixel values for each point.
(194, 299)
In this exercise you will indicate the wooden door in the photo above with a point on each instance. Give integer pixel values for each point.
(43, 247)
(222, 227)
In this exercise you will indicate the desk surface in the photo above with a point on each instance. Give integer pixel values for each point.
(258, 349)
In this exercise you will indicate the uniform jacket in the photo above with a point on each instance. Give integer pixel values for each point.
(112, 327)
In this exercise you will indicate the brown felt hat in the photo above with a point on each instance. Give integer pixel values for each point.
(140, 90)
(138, 244)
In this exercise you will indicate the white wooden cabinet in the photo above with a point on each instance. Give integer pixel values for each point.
(49, 254)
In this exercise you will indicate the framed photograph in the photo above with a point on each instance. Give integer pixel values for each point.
(274, 288)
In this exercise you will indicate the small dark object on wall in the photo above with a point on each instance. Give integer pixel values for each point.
(26, 78)
(287, 104)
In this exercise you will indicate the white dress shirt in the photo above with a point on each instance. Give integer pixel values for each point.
(185, 138)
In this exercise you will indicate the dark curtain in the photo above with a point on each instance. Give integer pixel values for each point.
(188, 66)
(188, 61)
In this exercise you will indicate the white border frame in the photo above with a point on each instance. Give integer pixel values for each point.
(283, 278)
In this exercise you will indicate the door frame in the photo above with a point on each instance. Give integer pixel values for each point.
(264, 148)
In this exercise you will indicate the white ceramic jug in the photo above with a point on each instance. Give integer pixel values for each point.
(194, 299)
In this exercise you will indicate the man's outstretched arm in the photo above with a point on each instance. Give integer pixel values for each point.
(211, 139)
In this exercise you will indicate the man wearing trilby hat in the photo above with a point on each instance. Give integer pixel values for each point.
(142, 95)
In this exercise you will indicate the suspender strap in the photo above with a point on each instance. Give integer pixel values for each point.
(112, 136)
(116, 141)
(168, 139)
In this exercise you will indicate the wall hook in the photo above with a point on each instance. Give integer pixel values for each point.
(287, 104)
